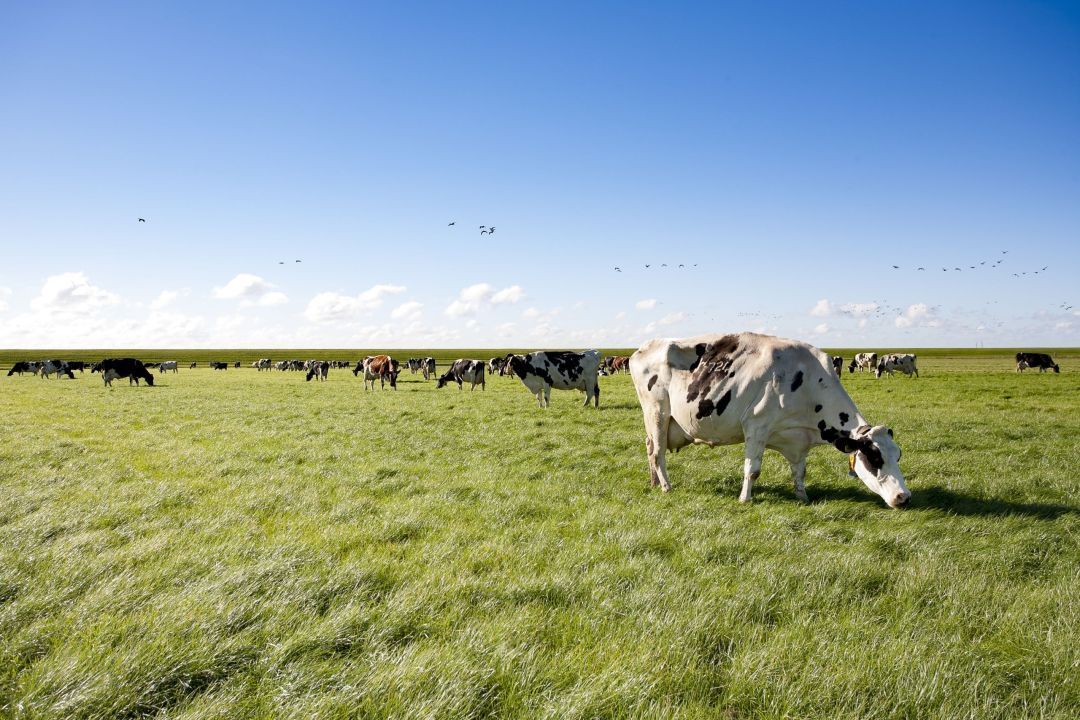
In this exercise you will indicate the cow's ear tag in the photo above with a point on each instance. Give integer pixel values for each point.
(851, 465)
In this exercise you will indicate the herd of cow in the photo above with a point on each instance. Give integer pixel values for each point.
(763, 391)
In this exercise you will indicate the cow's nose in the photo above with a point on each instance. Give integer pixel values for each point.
(902, 501)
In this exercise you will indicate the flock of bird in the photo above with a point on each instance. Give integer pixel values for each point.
(484, 229)
(983, 264)
(663, 265)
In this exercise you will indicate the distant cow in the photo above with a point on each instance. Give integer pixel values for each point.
(495, 365)
(261, 364)
(764, 391)
(378, 367)
(465, 371)
(897, 363)
(130, 368)
(55, 367)
(838, 364)
(318, 370)
(1026, 360)
(193, 365)
(76, 365)
(24, 366)
(863, 361)
(236, 364)
(219, 365)
(427, 366)
(541, 371)
(167, 366)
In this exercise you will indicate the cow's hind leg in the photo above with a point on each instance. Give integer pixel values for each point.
(755, 449)
(656, 445)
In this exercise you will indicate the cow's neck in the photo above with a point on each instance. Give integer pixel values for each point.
(836, 409)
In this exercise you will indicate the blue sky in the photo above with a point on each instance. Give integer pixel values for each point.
(793, 151)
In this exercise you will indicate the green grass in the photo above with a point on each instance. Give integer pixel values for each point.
(248, 545)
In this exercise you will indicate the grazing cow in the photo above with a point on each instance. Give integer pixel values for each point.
(413, 364)
(838, 364)
(261, 364)
(620, 363)
(542, 371)
(378, 367)
(863, 361)
(55, 367)
(193, 365)
(76, 365)
(130, 368)
(495, 365)
(1026, 360)
(24, 366)
(167, 366)
(427, 366)
(319, 370)
(764, 391)
(462, 371)
(219, 365)
(897, 363)
(236, 364)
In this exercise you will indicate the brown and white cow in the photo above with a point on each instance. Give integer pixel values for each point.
(764, 391)
(378, 367)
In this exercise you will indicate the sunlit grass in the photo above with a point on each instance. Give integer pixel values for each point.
(241, 544)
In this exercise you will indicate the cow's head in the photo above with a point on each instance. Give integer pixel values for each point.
(877, 463)
(880, 368)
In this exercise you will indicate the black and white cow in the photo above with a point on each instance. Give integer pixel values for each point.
(193, 365)
(465, 371)
(49, 368)
(764, 391)
(427, 367)
(261, 364)
(495, 365)
(22, 366)
(838, 364)
(1025, 360)
(863, 361)
(318, 369)
(543, 370)
(896, 363)
(130, 368)
(168, 365)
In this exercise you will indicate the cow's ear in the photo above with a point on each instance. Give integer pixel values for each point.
(889, 430)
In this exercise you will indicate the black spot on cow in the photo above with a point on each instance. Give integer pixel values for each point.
(713, 363)
(817, 408)
(844, 417)
(652, 381)
(707, 407)
(797, 382)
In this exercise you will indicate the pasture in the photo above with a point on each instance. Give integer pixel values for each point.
(241, 544)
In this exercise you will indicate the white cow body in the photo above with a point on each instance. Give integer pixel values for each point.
(261, 364)
(863, 361)
(542, 371)
(167, 366)
(49, 368)
(897, 363)
(764, 391)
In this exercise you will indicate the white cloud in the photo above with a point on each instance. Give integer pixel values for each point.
(912, 315)
(647, 304)
(72, 292)
(251, 290)
(334, 307)
(822, 309)
(672, 319)
(531, 313)
(821, 329)
(408, 310)
(164, 298)
(508, 295)
(621, 315)
(471, 299)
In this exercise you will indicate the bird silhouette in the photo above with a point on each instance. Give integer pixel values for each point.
(1004, 252)
(648, 266)
(956, 269)
(663, 264)
(281, 262)
(1046, 267)
(681, 265)
(142, 219)
(618, 269)
(895, 267)
(449, 224)
(491, 230)
(483, 226)
(483, 232)
(922, 268)
(299, 261)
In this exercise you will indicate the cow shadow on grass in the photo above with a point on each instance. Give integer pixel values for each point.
(922, 498)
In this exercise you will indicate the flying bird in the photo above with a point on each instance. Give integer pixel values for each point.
(663, 264)
(483, 226)
(483, 232)
(922, 268)
(281, 262)
(299, 261)
(142, 219)
(618, 269)
(491, 229)
(681, 265)
(1004, 252)
(449, 224)
(895, 267)
(648, 266)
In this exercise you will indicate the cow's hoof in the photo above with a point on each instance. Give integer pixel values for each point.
(801, 497)
(744, 498)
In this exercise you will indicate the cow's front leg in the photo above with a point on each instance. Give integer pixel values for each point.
(547, 396)
(755, 448)
(798, 477)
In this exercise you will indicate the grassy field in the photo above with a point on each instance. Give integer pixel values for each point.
(247, 545)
